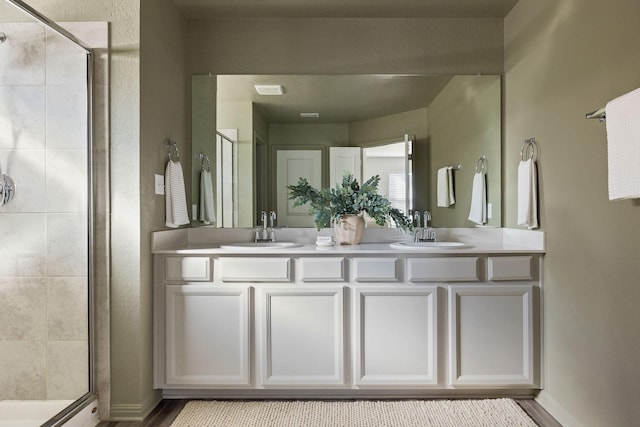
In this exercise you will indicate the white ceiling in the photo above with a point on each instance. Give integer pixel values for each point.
(204, 9)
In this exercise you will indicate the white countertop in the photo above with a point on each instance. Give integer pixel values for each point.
(477, 241)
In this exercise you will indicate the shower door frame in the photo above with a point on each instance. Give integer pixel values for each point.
(84, 400)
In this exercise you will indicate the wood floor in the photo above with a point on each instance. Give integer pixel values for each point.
(167, 411)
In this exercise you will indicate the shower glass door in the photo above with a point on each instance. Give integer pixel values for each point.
(45, 230)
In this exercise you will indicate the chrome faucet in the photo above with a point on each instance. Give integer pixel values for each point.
(424, 233)
(428, 233)
(417, 235)
(264, 233)
(272, 232)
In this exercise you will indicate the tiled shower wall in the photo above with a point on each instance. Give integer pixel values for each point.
(43, 231)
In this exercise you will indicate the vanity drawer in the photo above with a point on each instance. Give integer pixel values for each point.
(322, 269)
(255, 269)
(458, 269)
(375, 269)
(510, 268)
(191, 269)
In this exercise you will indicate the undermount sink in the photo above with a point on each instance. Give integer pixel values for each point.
(248, 246)
(429, 245)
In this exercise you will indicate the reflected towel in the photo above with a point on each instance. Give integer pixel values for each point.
(174, 195)
(207, 214)
(527, 194)
(623, 145)
(444, 184)
(478, 211)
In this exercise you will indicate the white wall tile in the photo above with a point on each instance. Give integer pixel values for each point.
(66, 64)
(67, 369)
(23, 316)
(66, 116)
(22, 57)
(23, 374)
(67, 308)
(66, 245)
(23, 247)
(66, 181)
(27, 168)
(22, 117)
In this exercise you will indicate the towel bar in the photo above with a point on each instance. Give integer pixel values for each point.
(481, 164)
(600, 114)
(529, 149)
(204, 162)
(174, 145)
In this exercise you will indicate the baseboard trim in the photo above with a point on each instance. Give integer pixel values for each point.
(135, 411)
(343, 394)
(556, 410)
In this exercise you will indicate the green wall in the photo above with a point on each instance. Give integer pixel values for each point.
(562, 60)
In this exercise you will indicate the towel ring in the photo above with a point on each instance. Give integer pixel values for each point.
(173, 144)
(481, 164)
(529, 149)
(204, 162)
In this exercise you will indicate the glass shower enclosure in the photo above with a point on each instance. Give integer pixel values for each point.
(46, 230)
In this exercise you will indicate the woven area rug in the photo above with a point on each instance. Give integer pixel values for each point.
(403, 413)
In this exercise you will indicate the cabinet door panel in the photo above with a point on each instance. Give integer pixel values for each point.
(191, 269)
(491, 335)
(207, 330)
(395, 336)
(301, 336)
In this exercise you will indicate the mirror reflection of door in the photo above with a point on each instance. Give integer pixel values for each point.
(226, 181)
(261, 177)
(392, 161)
(291, 166)
(344, 160)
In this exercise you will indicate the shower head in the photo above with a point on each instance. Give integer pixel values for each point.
(3, 37)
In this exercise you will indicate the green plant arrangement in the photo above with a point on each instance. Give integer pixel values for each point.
(328, 204)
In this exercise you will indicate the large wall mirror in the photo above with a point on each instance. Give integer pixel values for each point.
(401, 127)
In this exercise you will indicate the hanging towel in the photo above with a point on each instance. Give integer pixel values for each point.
(174, 195)
(452, 196)
(444, 184)
(478, 211)
(623, 144)
(207, 214)
(527, 194)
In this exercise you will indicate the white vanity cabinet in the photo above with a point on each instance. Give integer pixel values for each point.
(395, 336)
(300, 336)
(207, 335)
(491, 336)
(347, 322)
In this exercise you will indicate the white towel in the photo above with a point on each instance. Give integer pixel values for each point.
(444, 185)
(527, 194)
(623, 143)
(452, 196)
(478, 211)
(207, 214)
(174, 195)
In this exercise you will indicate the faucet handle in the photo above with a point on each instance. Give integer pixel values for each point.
(416, 217)
(272, 218)
(427, 218)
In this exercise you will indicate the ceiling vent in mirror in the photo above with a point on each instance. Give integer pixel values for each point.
(314, 115)
(269, 89)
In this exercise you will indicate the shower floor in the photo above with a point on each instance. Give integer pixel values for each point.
(29, 413)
